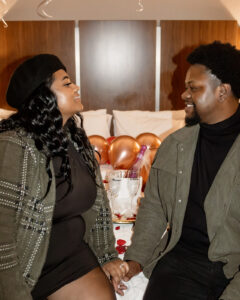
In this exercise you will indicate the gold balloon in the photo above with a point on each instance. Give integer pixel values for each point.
(148, 160)
(101, 146)
(148, 139)
(123, 151)
(152, 142)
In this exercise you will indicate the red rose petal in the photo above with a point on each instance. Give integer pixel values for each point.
(121, 242)
(121, 249)
(117, 228)
(131, 219)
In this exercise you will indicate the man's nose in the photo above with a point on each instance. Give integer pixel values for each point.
(185, 95)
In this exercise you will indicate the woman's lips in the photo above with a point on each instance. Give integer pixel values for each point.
(77, 99)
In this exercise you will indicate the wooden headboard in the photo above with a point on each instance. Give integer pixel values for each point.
(117, 58)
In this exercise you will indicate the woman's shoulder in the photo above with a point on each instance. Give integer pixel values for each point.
(19, 137)
(17, 143)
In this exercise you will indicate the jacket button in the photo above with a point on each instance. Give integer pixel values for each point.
(179, 200)
(180, 172)
(181, 148)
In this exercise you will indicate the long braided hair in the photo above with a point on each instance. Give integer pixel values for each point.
(41, 119)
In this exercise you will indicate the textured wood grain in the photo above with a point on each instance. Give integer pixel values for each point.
(24, 39)
(118, 64)
(178, 39)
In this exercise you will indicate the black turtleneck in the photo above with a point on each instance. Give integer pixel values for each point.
(214, 143)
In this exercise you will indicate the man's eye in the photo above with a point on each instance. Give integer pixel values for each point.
(193, 88)
(69, 83)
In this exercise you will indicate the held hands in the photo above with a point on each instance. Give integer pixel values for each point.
(117, 270)
(134, 269)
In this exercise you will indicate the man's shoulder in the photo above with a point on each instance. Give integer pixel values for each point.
(168, 149)
(182, 134)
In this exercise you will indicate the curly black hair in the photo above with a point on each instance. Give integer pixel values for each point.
(41, 119)
(223, 59)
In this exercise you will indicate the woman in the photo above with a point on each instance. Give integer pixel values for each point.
(55, 220)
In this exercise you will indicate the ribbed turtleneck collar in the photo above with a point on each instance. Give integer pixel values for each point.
(228, 127)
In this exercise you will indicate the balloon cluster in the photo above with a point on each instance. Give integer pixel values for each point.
(100, 145)
(121, 152)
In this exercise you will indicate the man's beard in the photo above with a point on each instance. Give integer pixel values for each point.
(194, 119)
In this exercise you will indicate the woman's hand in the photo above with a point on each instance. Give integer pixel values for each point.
(116, 270)
(134, 269)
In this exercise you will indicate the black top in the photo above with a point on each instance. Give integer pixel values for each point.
(68, 257)
(213, 144)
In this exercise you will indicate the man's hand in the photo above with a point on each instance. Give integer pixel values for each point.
(134, 269)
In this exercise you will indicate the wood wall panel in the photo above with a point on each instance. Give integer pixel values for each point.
(178, 39)
(238, 38)
(24, 39)
(118, 64)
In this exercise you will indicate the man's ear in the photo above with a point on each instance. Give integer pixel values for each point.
(225, 91)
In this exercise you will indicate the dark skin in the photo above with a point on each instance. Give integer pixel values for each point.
(205, 94)
(134, 269)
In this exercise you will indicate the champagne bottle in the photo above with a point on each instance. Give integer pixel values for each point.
(134, 171)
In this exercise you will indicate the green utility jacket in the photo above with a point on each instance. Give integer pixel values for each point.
(165, 201)
(26, 217)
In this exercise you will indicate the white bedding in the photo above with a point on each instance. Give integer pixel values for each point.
(137, 285)
(136, 288)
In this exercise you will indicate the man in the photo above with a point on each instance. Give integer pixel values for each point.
(187, 234)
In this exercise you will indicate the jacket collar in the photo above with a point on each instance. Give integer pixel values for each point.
(187, 134)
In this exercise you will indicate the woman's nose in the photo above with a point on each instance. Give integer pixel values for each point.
(76, 88)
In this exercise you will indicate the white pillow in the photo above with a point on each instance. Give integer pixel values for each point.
(99, 112)
(109, 119)
(95, 112)
(176, 124)
(96, 122)
(178, 114)
(5, 113)
(134, 123)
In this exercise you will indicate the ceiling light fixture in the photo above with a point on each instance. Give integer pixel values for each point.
(5, 5)
(41, 9)
(140, 8)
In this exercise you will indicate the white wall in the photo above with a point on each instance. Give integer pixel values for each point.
(126, 10)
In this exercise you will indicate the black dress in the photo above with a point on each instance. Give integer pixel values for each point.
(68, 257)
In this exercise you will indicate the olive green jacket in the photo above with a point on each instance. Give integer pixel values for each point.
(165, 201)
(26, 217)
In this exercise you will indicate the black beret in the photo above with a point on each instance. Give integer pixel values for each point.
(30, 75)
